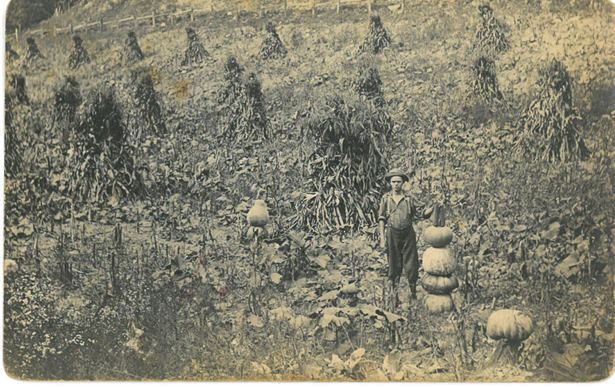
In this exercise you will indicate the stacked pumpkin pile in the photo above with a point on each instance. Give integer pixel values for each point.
(439, 264)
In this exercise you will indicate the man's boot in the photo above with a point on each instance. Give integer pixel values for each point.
(413, 291)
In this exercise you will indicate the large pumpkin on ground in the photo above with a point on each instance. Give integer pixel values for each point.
(438, 303)
(438, 236)
(439, 261)
(508, 324)
(438, 284)
(258, 216)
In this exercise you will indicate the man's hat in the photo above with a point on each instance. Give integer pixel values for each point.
(397, 172)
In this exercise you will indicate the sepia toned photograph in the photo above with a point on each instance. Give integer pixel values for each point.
(309, 190)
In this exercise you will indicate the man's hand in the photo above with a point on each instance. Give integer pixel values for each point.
(427, 213)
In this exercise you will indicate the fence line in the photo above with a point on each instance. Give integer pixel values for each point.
(154, 18)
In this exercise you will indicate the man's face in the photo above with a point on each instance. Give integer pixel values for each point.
(396, 183)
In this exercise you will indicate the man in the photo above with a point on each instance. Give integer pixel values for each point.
(397, 210)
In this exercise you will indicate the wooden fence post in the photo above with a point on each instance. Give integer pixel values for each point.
(17, 34)
(135, 20)
(337, 9)
(191, 14)
(285, 7)
(102, 23)
(369, 7)
(86, 25)
(154, 19)
(55, 31)
(313, 7)
(403, 5)
(72, 29)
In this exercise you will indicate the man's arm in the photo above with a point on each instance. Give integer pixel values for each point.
(382, 215)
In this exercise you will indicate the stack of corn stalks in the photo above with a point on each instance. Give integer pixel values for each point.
(17, 88)
(195, 53)
(101, 162)
(346, 169)
(132, 51)
(484, 81)
(369, 85)
(33, 52)
(377, 38)
(12, 151)
(490, 37)
(233, 83)
(246, 115)
(79, 56)
(9, 53)
(147, 103)
(550, 127)
(66, 102)
(272, 46)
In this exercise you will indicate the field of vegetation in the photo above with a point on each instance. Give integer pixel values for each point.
(134, 155)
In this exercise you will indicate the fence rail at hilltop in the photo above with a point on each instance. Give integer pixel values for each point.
(160, 19)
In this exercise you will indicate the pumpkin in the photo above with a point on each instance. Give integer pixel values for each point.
(508, 324)
(438, 284)
(260, 232)
(511, 327)
(438, 236)
(439, 261)
(258, 216)
(439, 303)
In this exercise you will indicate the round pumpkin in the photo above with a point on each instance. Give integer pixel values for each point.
(258, 216)
(438, 284)
(260, 232)
(508, 324)
(439, 303)
(438, 236)
(439, 261)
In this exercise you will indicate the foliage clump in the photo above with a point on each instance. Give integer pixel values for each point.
(147, 102)
(79, 56)
(347, 167)
(33, 53)
(272, 46)
(377, 38)
(369, 85)
(484, 80)
(132, 51)
(550, 127)
(195, 53)
(101, 162)
(490, 37)
(246, 116)
(17, 88)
